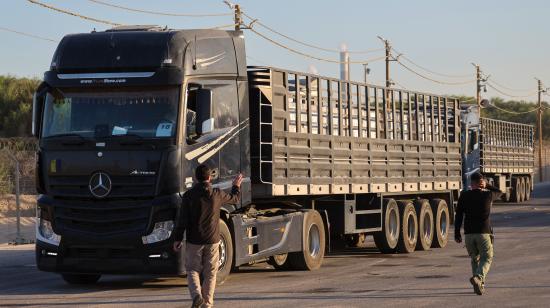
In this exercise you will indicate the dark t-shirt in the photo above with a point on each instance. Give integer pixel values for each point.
(476, 206)
(201, 213)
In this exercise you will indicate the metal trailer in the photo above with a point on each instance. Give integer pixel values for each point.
(502, 151)
(371, 160)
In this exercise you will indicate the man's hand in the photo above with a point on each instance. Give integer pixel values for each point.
(458, 238)
(177, 246)
(238, 180)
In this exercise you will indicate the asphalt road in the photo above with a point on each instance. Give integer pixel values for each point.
(520, 276)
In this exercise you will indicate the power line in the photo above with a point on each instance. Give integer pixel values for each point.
(431, 79)
(29, 35)
(74, 14)
(511, 89)
(401, 55)
(506, 94)
(308, 55)
(257, 22)
(156, 12)
(513, 112)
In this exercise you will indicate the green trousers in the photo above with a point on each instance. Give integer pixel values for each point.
(480, 249)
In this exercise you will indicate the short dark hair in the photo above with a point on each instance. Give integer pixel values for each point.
(477, 177)
(202, 173)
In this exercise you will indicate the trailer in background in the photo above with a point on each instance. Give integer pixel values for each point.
(502, 151)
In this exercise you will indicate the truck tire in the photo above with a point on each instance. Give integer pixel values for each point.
(81, 278)
(527, 190)
(313, 244)
(280, 262)
(226, 254)
(441, 223)
(522, 188)
(386, 240)
(516, 188)
(409, 227)
(425, 224)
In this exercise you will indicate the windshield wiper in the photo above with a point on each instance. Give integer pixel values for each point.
(81, 139)
(133, 139)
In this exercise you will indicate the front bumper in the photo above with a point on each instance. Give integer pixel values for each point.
(107, 259)
(100, 238)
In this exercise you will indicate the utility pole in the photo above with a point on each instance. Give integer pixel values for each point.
(540, 91)
(238, 17)
(366, 71)
(389, 83)
(478, 86)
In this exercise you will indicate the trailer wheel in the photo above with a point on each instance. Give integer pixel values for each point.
(386, 240)
(522, 188)
(516, 188)
(527, 190)
(225, 261)
(425, 224)
(409, 227)
(279, 262)
(442, 220)
(313, 244)
(80, 278)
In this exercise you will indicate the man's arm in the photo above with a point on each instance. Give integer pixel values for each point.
(495, 192)
(235, 196)
(459, 215)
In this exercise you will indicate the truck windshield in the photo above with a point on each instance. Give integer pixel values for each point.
(103, 113)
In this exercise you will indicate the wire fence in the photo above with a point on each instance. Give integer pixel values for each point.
(17, 190)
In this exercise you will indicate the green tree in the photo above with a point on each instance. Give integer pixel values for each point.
(16, 105)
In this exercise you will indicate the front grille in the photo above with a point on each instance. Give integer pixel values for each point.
(122, 186)
(102, 218)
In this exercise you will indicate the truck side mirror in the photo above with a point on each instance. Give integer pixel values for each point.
(205, 121)
(38, 100)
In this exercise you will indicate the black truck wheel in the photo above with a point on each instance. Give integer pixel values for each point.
(527, 190)
(409, 227)
(313, 244)
(516, 188)
(81, 278)
(522, 188)
(225, 262)
(441, 223)
(425, 224)
(280, 262)
(386, 240)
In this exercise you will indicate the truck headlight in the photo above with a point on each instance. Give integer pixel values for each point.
(45, 232)
(161, 232)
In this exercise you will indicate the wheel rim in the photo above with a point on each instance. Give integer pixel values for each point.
(443, 225)
(314, 241)
(411, 230)
(393, 225)
(427, 227)
(223, 254)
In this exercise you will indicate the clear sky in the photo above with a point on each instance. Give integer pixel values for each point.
(509, 39)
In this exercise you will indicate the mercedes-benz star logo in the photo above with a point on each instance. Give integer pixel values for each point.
(100, 185)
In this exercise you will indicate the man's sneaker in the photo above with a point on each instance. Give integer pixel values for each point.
(477, 284)
(197, 301)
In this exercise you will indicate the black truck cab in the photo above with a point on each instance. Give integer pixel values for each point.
(123, 117)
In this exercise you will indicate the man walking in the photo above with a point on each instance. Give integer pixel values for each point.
(200, 218)
(475, 204)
